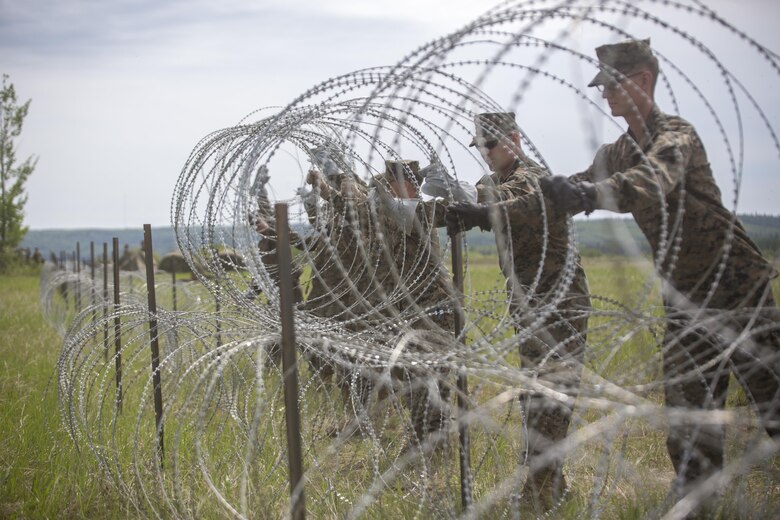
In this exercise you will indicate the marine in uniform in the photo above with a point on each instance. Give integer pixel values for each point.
(721, 317)
(402, 291)
(548, 291)
(413, 291)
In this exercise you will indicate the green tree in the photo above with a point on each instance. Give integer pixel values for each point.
(13, 175)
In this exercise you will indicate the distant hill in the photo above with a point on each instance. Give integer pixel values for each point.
(64, 240)
(621, 236)
(595, 237)
(610, 236)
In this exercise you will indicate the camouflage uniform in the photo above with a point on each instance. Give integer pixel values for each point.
(270, 260)
(338, 265)
(555, 347)
(407, 288)
(425, 301)
(337, 258)
(708, 266)
(267, 244)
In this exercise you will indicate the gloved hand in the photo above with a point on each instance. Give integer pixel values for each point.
(323, 158)
(258, 189)
(462, 216)
(438, 183)
(262, 177)
(568, 196)
(309, 199)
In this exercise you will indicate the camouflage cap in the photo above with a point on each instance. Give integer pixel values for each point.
(624, 58)
(493, 125)
(397, 170)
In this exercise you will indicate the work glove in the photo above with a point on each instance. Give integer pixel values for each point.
(309, 199)
(462, 216)
(261, 179)
(438, 183)
(322, 159)
(259, 191)
(570, 197)
(403, 212)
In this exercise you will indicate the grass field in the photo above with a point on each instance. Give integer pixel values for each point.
(42, 475)
(624, 472)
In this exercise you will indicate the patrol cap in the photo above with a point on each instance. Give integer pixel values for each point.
(493, 125)
(624, 58)
(398, 170)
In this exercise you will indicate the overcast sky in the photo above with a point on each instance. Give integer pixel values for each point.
(122, 90)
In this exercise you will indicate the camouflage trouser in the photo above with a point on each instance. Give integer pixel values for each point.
(423, 391)
(322, 303)
(554, 352)
(426, 391)
(696, 379)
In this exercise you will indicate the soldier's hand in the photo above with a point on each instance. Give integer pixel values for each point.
(570, 197)
(313, 177)
(262, 177)
(316, 179)
(261, 226)
(463, 216)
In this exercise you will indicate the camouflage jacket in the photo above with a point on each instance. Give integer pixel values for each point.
(338, 259)
(418, 276)
(666, 183)
(532, 238)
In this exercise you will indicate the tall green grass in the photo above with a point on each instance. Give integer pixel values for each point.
(624, 473)
(42, 475)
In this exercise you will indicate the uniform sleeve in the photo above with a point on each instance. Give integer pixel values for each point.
(586, 176)
(435, 211)
(658, 172)
(300, 242)
(350, 195)
(519, 197)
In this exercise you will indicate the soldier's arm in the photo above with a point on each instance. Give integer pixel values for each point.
(659, 172)
(586, 176)
(435, 210)
(520, 198)
(268, 232)
(300, 242)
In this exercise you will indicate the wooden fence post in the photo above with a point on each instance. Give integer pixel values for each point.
(173, 284)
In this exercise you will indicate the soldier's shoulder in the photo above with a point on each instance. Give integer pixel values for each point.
(528, 168)
(674, 122)
(489, 180)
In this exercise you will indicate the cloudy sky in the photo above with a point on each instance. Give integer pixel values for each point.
(122, 90)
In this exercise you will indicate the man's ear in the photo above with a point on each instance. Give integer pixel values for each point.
(647, 80)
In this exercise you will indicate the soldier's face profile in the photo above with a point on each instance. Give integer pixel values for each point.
(499, 154)
(625, 96)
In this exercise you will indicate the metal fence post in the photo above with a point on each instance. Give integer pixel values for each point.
(117, 327)
(289, 365)
(463, 390)
(105, 301)
(77, 257)
(153, 334)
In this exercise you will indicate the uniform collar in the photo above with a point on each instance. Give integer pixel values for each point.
(652, 124)
(520, 161)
